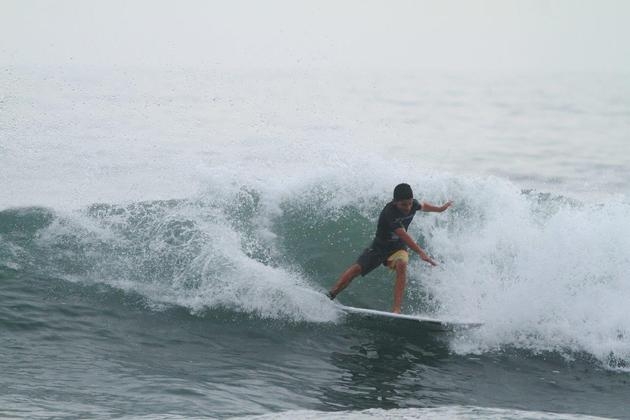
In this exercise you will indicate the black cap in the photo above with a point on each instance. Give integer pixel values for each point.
(402, 192)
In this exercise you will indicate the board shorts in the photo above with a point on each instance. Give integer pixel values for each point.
(373, 257)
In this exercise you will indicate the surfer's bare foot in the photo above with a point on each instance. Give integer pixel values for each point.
(396, 310)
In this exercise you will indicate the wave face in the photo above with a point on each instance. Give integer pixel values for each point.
(542, 271)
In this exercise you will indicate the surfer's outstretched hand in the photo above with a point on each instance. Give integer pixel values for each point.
(446, 205)
(425, 257)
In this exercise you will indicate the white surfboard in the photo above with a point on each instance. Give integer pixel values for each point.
(420, 320)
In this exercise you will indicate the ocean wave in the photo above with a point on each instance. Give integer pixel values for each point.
(542, 271)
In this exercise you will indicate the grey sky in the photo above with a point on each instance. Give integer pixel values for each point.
(445, 34)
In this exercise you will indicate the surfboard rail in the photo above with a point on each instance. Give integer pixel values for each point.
(423, 320)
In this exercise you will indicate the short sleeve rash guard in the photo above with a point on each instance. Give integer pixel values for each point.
(391, 219)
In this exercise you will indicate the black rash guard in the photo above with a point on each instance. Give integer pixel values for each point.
(389, 220)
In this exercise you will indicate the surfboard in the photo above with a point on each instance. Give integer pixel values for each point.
(423, 321)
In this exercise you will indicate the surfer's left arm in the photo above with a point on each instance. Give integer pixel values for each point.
(428, 207)
(404, 236)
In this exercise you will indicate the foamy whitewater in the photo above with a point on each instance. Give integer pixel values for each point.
(166, 239)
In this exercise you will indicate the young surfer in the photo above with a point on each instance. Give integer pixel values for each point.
(390, 243)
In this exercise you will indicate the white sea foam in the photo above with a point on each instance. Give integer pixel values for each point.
(542, 272)
(448, 412)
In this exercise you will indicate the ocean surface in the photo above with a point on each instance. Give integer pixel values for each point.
(166, 238)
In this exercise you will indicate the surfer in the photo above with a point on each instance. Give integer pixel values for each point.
(390, 243)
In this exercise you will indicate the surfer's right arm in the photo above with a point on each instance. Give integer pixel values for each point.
(404, 236)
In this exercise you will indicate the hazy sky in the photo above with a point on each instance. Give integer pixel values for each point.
(441, 34)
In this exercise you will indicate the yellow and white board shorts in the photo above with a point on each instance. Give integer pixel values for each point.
(401, 254)
(373, 257)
